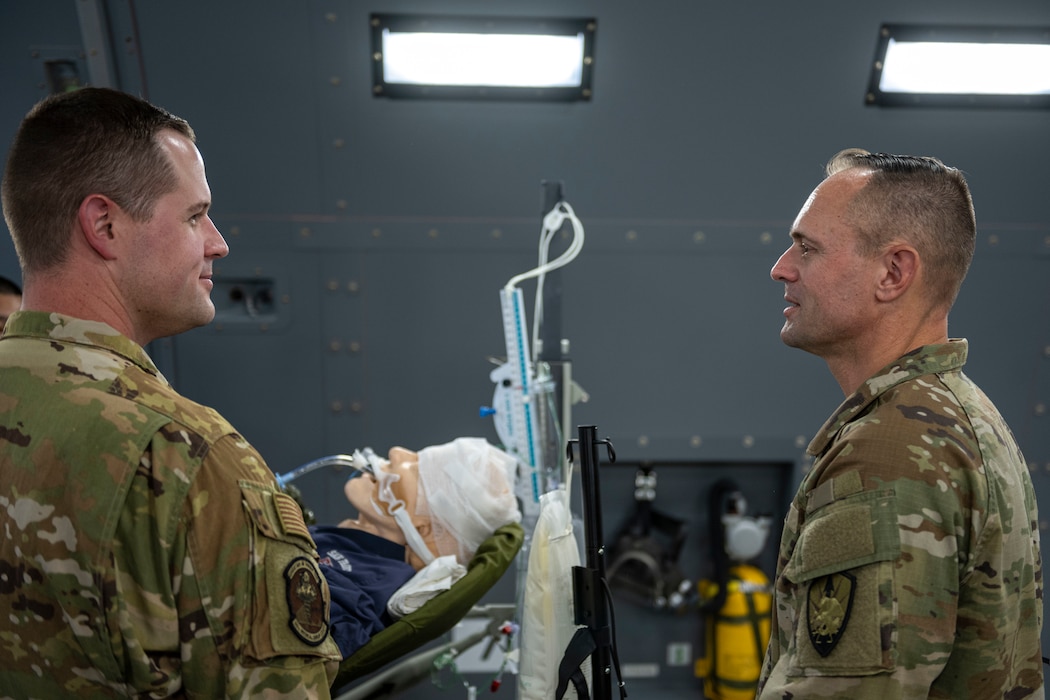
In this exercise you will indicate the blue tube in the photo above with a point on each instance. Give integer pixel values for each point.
(329, 461)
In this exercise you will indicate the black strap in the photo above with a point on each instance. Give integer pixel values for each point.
(580, 647)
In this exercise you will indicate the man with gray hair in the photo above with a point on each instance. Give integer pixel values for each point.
(909, 565)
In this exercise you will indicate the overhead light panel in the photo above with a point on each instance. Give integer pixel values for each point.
(482, 57)
(955, 66)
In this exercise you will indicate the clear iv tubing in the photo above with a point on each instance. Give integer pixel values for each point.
(330, 461)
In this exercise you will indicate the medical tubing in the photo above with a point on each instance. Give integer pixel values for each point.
(329, 461)
(556, 217)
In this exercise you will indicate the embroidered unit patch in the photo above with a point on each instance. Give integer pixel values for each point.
(305, 601)
(830, 604)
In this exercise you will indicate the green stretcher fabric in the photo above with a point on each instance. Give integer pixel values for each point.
(441, 613)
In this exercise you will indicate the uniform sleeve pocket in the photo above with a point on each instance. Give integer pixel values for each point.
(843, 571)
(291, 599)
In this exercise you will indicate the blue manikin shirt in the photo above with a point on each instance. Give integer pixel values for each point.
(363, 570)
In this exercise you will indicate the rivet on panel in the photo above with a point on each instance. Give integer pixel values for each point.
(354, 346)
(335, 80)
(334, 345)
(800, 441)
(766, 237)
(285, 299)
(336, 406)
(696, 441)
(330, 17)
(340, 204)
(234, 230)
(749, 441)
(632, 235)
(332, 285)
(305, 232)
(496, 233)
(993, 239)
(258, 272)
(1040, 409)
(353, 286)
(643, 440)
(338, 143)
(433, 233)
(699, 236)
(356, 407)
(263, 327)
(376, 233)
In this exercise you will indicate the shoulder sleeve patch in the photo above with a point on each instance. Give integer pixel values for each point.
(306, 604)
(828, 609)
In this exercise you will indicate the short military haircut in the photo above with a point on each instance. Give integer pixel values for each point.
(74, 144)
(918, 200)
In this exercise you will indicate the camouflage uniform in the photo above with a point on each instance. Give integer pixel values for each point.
(909, 565)
(146, 549)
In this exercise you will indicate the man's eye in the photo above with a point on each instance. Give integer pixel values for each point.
(805, 248)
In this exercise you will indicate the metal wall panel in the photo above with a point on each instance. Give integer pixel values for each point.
(380, 230)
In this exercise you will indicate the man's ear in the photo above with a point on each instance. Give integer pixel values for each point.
(900, 270)
(95, 220)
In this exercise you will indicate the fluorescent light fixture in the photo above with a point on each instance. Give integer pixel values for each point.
(482, 57)
(954, 66)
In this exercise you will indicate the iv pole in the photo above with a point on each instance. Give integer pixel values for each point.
(593, 606)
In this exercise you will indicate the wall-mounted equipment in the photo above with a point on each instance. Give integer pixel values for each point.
(517, 58)
(959, 66)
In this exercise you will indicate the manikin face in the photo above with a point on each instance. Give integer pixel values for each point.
(363, 492)
(167, 261)
(827, 284)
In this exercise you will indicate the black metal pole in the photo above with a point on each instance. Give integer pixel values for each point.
(595, 607)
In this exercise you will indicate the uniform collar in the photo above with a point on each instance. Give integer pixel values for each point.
(928, 359)
(66, 329)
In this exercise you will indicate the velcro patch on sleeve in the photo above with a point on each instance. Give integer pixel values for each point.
(290, 515)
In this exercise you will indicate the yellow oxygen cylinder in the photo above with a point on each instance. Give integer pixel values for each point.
(736, 635)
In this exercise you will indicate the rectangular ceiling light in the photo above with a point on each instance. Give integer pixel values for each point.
(955, 66)
(482, 57)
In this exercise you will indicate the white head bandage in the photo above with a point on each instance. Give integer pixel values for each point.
(465, 486)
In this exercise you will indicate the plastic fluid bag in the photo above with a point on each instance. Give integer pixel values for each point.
(548, 617)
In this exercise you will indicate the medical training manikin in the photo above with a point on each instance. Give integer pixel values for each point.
(420, 518)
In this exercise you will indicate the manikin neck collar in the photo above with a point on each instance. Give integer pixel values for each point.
(396, 510)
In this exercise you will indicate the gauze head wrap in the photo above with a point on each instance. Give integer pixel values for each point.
(465, 486)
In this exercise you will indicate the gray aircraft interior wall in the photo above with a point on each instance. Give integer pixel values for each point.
(369, 236)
